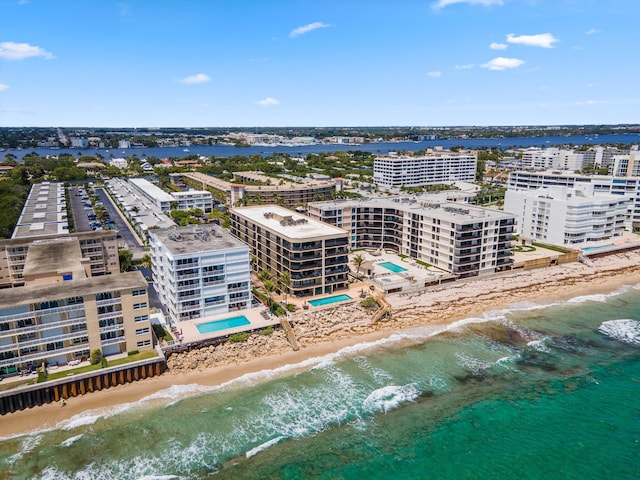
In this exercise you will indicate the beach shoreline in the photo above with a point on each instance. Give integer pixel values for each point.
(436, 307)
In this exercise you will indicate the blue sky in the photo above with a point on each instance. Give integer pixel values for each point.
(217, 63)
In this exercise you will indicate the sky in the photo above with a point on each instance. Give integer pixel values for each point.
(279, 63)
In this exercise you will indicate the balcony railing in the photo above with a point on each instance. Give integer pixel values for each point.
(113, 341)
(42, 313)
(108, 301)
(42, 326)
(42, 355)
(43, 341)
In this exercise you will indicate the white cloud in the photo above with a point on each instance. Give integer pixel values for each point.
(198, 78)
(590, 102)
(20, 51)
(498, 46)
(434, 74)
(267, 102)
(307, 28)
(544, 40)
(468, 66)
(486, 3)
(591, 31)
(502, 63)
(3, 86)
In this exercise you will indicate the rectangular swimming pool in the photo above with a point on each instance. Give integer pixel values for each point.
(392, 266)
(218, 325)
(328, 300)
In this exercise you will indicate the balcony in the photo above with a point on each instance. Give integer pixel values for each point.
(112, 328)
(109, 301)
(108, 315)
(42, 355)
(113, 341)
(42, 326)
(42, 313)
(43, 341)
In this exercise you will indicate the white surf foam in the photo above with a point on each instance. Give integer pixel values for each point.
(263, 446)
(28, 444)
(71, 440)
(626, 330)
(540, 345)
(391, 397)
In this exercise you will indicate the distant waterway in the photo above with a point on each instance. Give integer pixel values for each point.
(303, 150)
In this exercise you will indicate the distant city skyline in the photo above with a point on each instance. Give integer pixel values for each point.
(318, 63)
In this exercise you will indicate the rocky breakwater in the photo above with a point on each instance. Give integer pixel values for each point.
(333, 324)
(229, 353)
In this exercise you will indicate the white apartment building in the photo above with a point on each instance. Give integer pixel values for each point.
(462, 239)
(439, 167)
(569, 217)
(199, 271)
(615, 185)
(626, 165)
(165, 202)
(124, 144)
(547, 158)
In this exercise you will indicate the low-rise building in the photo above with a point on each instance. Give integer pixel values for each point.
(313, 254)
(199, 271)
(44, 213)
(165, 201)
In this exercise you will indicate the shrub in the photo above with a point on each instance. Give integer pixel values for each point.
(267, 331)
(369, 303)
(133, 352)
(96, 357)
(42, 376)
(104, 363)
(238, 337)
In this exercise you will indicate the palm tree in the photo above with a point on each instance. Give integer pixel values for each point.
(357, 262)
(269, 287)
(264, 275)
(284, 282)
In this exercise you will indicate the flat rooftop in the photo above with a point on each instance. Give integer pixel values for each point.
(288, 223)
(196, 238)
(150, 189)
(86, 286)
(55, 255)
(436, 206)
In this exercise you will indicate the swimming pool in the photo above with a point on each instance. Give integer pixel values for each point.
(591, 249)
(218, 325)
(329, 300)
(393, 267)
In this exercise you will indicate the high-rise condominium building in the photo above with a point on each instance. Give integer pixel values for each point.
(440, 167)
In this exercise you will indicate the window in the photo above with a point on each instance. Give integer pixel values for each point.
(142, 331)
(143, 343)
(141, 318)
(138, 306)
(137, 293)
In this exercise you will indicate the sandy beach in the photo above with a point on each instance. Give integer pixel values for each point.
(328, 331)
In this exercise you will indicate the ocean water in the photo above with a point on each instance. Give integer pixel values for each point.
(533, 392)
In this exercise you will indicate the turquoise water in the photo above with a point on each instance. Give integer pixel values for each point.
(217, 325)
(392, 266)
(329, 300)
(534, 392)
(591, 249)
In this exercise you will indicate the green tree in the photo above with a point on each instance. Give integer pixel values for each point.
(126, 260)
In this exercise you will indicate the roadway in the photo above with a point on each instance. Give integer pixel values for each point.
(127, 238)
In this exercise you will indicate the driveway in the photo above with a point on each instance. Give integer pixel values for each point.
(127, 237)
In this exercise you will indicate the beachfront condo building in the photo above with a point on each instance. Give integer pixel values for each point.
(568, 217)
(313, 253)
(98, 252)
(199, 271)
(615, 185)
(262, 189)
(439, 167)
(61, 313)
(462, 239)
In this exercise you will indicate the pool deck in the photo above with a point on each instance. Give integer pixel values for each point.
(258, 318)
